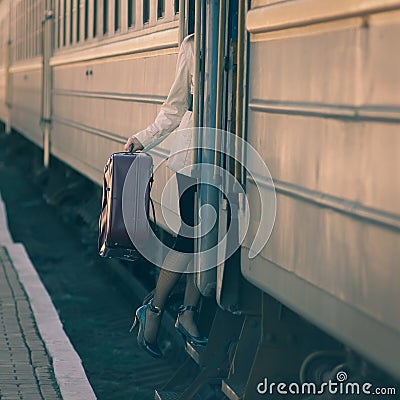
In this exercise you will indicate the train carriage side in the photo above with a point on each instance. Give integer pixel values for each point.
(23, 74)
(106, 82)
(324, 113)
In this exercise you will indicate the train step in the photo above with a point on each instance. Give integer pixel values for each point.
(196, 352)
(233, 390)
(167, 395)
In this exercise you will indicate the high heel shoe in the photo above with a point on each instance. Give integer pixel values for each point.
(196, 340)
(140, 319)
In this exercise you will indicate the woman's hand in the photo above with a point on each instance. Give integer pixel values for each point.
(136, 145)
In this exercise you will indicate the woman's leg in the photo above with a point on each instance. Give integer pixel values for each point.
(165, 283)
(188, 186)
(192, 298)
(175, 261)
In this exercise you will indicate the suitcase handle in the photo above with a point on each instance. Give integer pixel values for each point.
(131, 149)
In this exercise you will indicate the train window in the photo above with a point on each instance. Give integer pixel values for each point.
(131, 13)
(94, 18)
(86, 19)
(15, 23)
(28, 30)
(71, 20)
(105, 16)
(41, 10)
(176, 6)
(32, 31)
(160, 9)
(117, 8)
(39, 29)
(65, 23)
(58, 23)
(36, 15)
(20, 29)
(36, 49)
(23, 33)
(146, 11)
(16, 34)
(34, 12)
(35, 30)
(78, 20)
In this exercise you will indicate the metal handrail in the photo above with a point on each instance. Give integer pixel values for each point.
(241, 65)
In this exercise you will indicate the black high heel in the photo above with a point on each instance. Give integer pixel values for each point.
(196, 340)
(140, 319)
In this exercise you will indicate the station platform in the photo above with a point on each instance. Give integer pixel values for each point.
(37, 360)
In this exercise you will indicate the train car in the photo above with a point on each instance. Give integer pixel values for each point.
(4, 61)
(312, 86)
(323, 113)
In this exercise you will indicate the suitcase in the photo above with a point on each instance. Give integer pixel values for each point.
(114, 240)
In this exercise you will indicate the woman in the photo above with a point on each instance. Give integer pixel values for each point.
(176, 111)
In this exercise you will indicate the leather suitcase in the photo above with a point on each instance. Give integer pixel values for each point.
(114, 240)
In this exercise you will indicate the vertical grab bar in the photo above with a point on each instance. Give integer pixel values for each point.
(221, 65)
(47, 48)
(196, 107)
(197, 63)
(240, 90)
(182, 20)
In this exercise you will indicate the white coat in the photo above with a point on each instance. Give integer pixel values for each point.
(174, 113)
